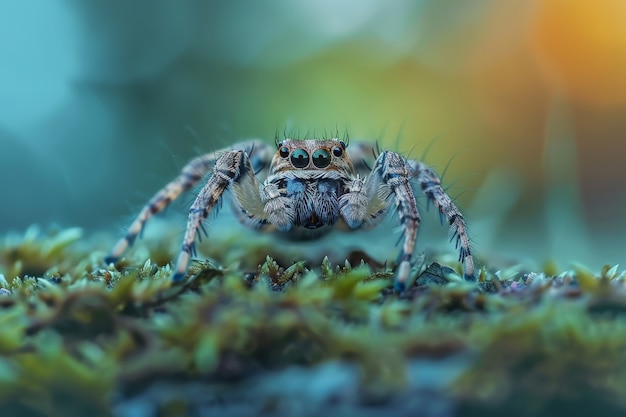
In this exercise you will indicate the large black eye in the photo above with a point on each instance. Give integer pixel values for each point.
(284, 152)
(299, 158)
(337, 151)
(321, 158)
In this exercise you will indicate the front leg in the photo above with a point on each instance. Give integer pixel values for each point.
(191, 174)
(232, 168)
(365, 202)
(392, 171)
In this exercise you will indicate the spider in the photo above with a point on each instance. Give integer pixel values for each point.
(303, 189)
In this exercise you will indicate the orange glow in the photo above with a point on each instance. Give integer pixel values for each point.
(582, 46)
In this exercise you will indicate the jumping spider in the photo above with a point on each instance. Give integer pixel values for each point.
(304, 189)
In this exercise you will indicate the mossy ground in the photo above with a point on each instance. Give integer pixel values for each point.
(301, 339)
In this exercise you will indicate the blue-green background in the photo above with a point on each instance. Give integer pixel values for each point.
(102, 102)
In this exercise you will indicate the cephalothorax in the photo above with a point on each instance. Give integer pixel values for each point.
(306, 188)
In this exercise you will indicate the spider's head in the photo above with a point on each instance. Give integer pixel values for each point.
(311, 155)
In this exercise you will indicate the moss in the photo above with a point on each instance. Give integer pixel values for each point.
(81, 338)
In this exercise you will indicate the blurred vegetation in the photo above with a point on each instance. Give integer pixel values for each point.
(80, 339)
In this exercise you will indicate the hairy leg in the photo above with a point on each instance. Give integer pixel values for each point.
(191, 174)
(366, 201)
(393, 170)
(233, 171)
(431, 186)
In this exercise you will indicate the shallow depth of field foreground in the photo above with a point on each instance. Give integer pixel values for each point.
(302, 339)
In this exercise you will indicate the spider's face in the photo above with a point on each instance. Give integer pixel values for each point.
(311, 155)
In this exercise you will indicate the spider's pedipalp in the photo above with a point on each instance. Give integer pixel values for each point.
(278, 208)
(353, 204)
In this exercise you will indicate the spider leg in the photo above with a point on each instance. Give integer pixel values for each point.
(190, 175)
(233, 171)
(391, 177)
(431, 186)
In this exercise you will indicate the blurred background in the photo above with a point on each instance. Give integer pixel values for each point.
(102, 102)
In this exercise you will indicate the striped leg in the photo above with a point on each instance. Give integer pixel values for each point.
(392, 172)
(191, 175)
(234, 169)
(431, 185)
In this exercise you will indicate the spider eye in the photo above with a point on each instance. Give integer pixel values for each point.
(321, 158)
(337, 151)
(300, 158)
(284, 152)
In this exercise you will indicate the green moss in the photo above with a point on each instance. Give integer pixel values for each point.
(81, 338)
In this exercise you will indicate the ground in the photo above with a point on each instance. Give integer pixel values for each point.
(300, 339)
